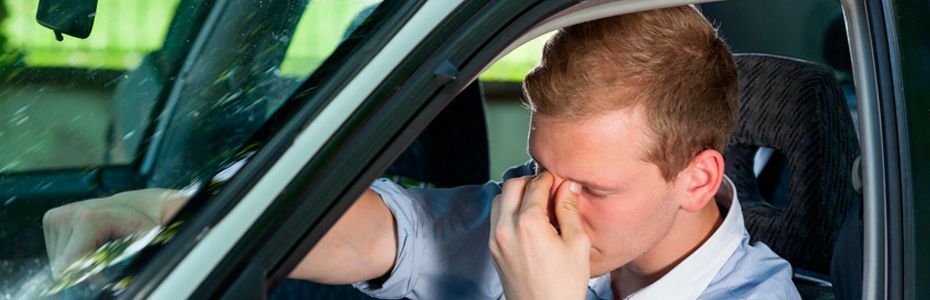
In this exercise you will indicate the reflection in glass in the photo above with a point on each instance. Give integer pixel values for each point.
(156, 97)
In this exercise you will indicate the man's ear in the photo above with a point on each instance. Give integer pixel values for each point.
(701, 179)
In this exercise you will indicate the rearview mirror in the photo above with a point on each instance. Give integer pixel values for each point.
(71, 17)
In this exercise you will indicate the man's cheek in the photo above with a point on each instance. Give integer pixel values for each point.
(603, 223)
(587, 220)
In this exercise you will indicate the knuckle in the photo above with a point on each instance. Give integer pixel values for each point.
(494, 248)
(534, 185)
(50, 216)
(513, 183)
(509, 183)
(581, 242)
(501, 236)
(527, 225)
(570, 206)
(539, 184)
(87, 215)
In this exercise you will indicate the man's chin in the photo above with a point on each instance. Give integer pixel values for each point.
(600, 268)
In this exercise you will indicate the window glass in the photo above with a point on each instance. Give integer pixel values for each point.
(111, 46)
(54, 96)
(159, 96)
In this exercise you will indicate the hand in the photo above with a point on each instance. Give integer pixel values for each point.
(533, 258)
(75, 229)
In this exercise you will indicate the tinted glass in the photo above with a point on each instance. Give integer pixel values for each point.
(161, 95)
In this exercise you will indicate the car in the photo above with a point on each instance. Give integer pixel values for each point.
(273, 146)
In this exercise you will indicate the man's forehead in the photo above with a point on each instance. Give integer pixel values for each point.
(621, 128)
(597, 177)
(591, 151)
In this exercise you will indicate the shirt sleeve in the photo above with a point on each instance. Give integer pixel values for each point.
(406, 218)
(442, 239)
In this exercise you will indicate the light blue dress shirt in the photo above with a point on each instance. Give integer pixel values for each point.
(443, 252)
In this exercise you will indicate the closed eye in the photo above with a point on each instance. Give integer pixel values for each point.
(594, 193)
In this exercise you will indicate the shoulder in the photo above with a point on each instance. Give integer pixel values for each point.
(753, 272)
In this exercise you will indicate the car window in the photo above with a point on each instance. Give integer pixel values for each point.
(508, 122)
(55, 95)
(162, 92)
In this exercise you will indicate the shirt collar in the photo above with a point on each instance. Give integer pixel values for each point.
(689, 278)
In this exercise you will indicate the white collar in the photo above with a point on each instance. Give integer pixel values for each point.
(689, 278)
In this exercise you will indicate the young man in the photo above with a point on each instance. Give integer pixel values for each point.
(625, 197)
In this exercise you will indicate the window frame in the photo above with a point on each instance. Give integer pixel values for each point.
(873, 43)
(863, 45)
(873, 73)
(176, 273)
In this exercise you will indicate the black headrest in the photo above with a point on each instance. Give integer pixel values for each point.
(453, 149)
(796, 108)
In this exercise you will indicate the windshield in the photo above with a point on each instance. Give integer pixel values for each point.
(161, 95)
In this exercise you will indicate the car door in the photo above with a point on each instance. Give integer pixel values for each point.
(260, 208)
(376, 118)
(57, 101)
(339, 160)
(179, 117)
(469, 38)
(895, 178)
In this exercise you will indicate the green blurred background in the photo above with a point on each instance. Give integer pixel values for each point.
(126, 30)
(111, 45)
(69, 129)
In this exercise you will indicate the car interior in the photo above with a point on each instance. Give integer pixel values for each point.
(792, 155)
(188, 150)
(797, 109)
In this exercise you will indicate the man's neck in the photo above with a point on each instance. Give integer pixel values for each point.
(687, 234)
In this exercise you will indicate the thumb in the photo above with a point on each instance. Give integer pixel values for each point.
(567, 211)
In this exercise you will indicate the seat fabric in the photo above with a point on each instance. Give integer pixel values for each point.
(798, 109)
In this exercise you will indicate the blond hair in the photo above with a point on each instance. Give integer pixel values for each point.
(670, 63)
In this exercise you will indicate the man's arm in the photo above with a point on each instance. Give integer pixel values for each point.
(360, 246)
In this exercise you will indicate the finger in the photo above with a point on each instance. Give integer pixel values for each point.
(64, 226)
(495, 211)
(81, 242)
(494, 235)
(510, 197)
(567, 210)
(62, 230)
(50, 230)
(536, 195)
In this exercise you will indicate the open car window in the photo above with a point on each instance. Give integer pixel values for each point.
(161, 95)
(506, 116)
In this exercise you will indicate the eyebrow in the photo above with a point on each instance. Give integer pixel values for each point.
(539, 167)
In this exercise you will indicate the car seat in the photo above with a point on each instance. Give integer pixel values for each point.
(797, 109)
